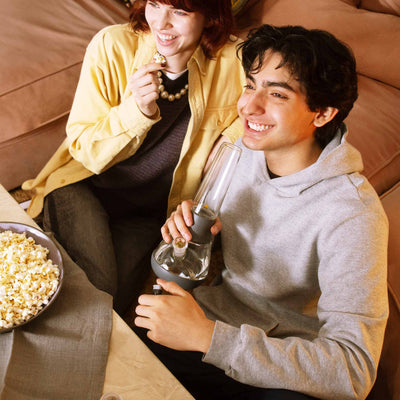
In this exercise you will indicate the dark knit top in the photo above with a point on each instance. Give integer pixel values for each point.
(141, 183)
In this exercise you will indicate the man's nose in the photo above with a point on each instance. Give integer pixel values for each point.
(254, 103)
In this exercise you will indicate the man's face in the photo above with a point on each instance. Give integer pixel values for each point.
(274, 112)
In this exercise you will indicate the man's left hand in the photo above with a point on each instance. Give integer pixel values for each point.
(175, 320)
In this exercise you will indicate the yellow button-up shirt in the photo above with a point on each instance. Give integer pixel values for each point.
(105, 125)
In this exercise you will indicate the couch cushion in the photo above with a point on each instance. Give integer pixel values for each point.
(387, 385)
(374, 130)
(372, 36)
(41, 60)
(43, 43)
(24, 156)
(391, 204)
(382, 6)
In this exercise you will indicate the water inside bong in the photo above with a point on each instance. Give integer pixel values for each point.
(192, 265)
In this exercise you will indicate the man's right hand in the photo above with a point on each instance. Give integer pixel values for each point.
(177, 224)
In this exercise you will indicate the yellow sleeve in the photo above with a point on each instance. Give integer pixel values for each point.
(105, 125)
(234, 131)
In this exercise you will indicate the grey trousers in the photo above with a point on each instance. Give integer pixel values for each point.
(114, 253)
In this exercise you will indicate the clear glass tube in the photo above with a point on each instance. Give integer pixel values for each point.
(214, 186)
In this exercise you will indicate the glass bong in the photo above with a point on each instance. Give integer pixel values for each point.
(187, 263)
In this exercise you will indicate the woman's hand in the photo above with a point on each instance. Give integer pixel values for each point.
(175, 320)
(144, 87)
(177, 224)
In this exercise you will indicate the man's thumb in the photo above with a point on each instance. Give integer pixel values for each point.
(171, 287)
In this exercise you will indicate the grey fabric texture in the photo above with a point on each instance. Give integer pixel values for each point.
(303, 300)
(65, 349)
(113, 252)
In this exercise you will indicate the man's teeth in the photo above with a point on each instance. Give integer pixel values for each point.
(166, 37)
(258, 127)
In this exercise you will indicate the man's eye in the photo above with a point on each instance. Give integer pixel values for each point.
(248, 86)
(279, 95)
(153, 3)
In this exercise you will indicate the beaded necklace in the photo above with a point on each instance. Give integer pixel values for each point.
(165, 95)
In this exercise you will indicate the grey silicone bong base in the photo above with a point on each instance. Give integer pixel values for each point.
(184, 283)
(200, 230)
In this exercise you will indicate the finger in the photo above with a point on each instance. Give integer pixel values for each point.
(152, 336)
(165, 233)
(187, 212)
(146, 299)
(216, 228)
(144, 86)
(148, 98)
(172, 288)
(143, 322)
(140, 79)
(148, 68)
(143, 311)
(177, 227)
(154, 67)
(172, 227)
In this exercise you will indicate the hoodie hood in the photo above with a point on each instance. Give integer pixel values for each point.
(337, 158)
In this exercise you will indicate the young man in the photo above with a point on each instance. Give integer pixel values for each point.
(302, 306)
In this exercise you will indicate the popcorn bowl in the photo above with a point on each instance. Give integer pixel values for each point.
(54, 255)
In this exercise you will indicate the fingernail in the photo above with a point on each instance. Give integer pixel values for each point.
(187, 222)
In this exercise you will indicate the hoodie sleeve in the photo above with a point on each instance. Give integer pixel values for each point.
(341, 362)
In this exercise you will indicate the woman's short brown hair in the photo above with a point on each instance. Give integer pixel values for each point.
(218, 15)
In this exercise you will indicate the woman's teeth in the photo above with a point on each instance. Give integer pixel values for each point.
(166, 37)
(258, 127)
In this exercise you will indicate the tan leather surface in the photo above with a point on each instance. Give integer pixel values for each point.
(372, 36)
(134, 372)
(382, 6)
(39, 70)
(374, 130)
(391, 203)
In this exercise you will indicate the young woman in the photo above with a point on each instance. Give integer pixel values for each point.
(139, 135)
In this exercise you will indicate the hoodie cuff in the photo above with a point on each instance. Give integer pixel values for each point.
(225, 338)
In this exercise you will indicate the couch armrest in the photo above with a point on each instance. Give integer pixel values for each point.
(387, 385)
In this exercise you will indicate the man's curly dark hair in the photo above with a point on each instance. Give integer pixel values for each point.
(324, 66)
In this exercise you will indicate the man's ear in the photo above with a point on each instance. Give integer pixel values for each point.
(324, 115)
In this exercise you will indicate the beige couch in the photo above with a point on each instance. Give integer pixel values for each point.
(43, 43)
(42, 46)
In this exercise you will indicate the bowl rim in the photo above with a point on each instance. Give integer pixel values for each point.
(54, 255)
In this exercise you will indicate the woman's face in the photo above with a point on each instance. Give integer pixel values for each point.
(177, 32)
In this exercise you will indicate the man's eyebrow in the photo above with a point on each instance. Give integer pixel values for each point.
(266, 84)
(284, 85)
(250, 77)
